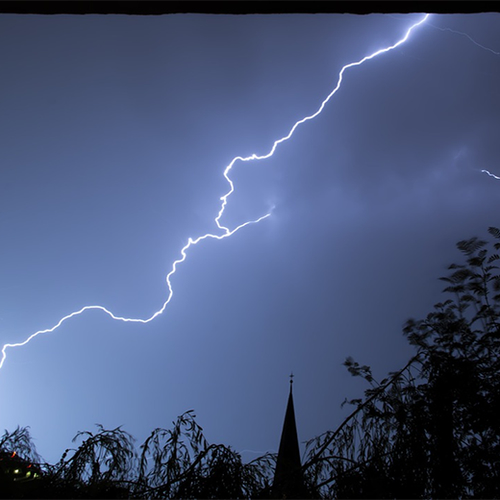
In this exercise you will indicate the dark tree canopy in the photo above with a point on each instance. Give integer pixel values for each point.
(431, 429)
(172, 463)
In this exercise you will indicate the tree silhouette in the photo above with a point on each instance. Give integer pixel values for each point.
(21, 443)
(430, 429)
(182, 464)
(103, 466)
(173, 463)
(18, 463)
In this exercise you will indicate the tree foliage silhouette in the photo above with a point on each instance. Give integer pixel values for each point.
(102, 466)
(430, 429)
(21, 443)
(173, 463)
(179, 463)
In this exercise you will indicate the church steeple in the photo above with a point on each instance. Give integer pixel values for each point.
(288, 478)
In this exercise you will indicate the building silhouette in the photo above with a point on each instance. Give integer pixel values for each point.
(288, 477)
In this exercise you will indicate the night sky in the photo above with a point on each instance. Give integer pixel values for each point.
(115, 133)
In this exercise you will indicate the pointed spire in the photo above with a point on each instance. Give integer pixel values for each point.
(288, 479)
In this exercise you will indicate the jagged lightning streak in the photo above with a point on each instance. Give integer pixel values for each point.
(490, 174)
(226, 231)
(468, 36)
(136, 320)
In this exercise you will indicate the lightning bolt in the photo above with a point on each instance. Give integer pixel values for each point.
(226, 232)
(490, 174)
(184, 249)
(468, 36)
